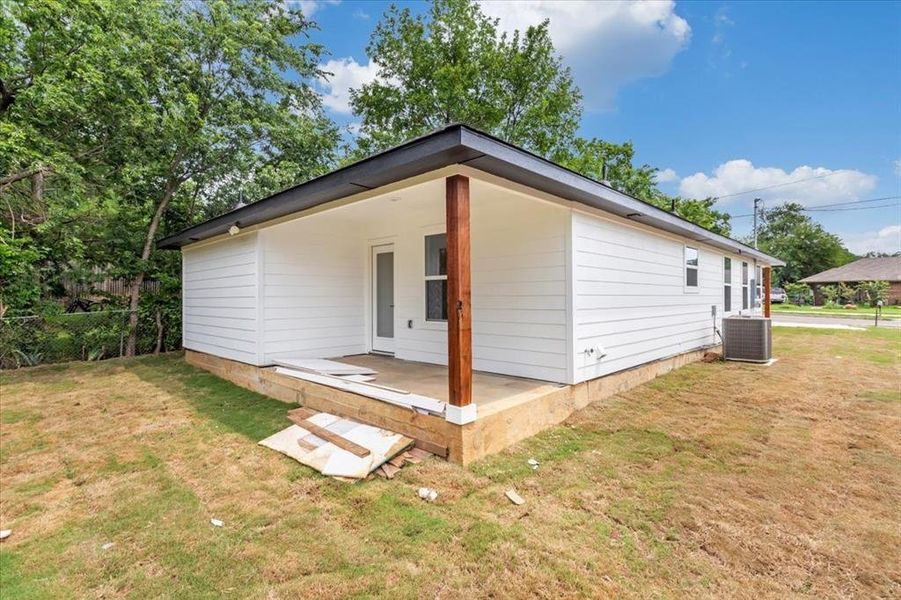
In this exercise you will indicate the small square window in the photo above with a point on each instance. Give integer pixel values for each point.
(436, 254)
(691, 267)
(691, 256)
(691, 278)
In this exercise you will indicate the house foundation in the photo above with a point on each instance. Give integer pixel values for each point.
(503, 418)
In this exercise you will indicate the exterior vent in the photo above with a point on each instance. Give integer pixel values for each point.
(747, 338)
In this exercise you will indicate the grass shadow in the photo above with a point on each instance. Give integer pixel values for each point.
(253, 415)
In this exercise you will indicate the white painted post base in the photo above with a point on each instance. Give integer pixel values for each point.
(460, 415)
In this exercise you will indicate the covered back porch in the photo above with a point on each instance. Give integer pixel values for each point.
(449, 271)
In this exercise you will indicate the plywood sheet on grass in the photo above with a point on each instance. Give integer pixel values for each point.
(327, 458)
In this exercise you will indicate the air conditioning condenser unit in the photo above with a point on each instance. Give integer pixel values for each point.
(748, 339)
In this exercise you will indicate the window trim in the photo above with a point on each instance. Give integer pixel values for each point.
(691, 289)
(745, 293)
(758, 290)
(727, 285)
(426, 278)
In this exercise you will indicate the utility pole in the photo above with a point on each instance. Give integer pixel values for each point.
(756, 203)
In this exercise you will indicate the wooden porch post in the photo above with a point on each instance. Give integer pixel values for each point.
(767, 283)
(459, 306)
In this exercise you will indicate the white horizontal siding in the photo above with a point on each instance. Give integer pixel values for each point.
(219, 298)
(519, 276)
(312, 291)
(629, 296)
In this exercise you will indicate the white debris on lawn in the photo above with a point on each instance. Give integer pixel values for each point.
(514, 497)
(107, 545)
(216, 523)
(427, 494)
(5, 533)
(533, 463)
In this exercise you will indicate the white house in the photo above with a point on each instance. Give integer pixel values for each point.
(571, 281)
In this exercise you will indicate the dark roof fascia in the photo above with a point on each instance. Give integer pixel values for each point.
(458, 144)
(516, 164)
(421, 155)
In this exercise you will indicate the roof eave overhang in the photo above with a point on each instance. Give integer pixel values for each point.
(458, 145)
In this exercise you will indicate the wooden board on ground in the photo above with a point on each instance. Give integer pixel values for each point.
(326, 434)
(323, 366)
(301, 417)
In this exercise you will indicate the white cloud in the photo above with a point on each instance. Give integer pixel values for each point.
(666, 176)
(897, 165)
(607, 44)
(308, 7)
(887, 239)
(346, 73)
(720, 52)
(818, 185)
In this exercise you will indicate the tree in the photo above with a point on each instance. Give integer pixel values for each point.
(787, 233)
(602, 160)
(455, 66)
(225, 103)
(183, 99)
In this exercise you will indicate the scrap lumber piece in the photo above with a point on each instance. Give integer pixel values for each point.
(418, 453)
(514, 497)
(300, 419)
(390, 470)
(301, 412)
(323, 366)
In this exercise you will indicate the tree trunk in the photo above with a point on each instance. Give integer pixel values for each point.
(14, 177)
(159, 331)
(134, 294)
(37, 187)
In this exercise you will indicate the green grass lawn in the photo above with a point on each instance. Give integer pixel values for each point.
(868, 312)
(722, 479)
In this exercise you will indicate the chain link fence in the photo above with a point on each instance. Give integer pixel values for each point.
(44, 339)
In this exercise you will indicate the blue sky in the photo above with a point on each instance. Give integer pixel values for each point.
(722, 97)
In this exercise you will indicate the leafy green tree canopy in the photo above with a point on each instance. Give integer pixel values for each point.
(454, 65)
(602, 160)
(789, 234)
(139, 113)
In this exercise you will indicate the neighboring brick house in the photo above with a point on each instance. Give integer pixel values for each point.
(866, 269)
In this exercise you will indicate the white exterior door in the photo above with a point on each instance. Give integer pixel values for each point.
(383, 298)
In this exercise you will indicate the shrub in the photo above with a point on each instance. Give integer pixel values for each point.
(799, 293)
(873, 291)
(831, 294)
(846, 293)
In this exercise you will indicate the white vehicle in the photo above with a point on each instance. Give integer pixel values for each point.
(777, 295)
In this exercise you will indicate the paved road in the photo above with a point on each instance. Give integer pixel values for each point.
(815, 320)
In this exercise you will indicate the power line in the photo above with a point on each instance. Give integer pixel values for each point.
(824, 209)
(851, 208)
(858, 201)
(775, 185)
